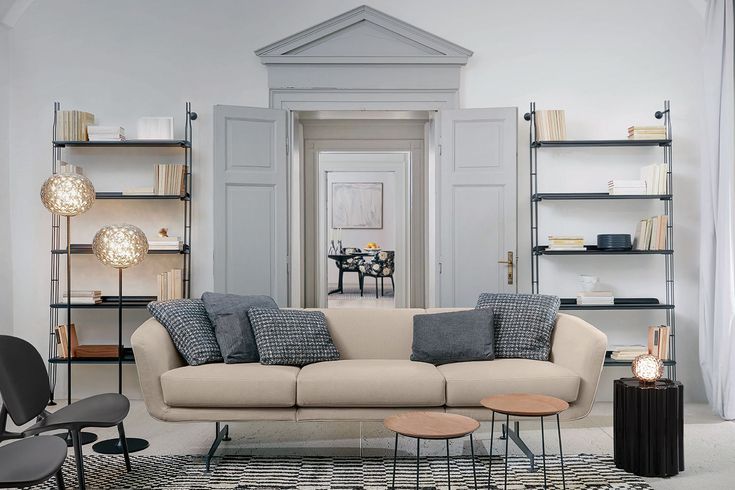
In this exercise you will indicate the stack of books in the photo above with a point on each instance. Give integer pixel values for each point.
(68, 168)
(106, 133)
(658, 341)
(595, 298)
(647, 133)
(627, 352)
(165, 243)
(626, 187)
(72, 125)
(550, 125)
(169, 180)
(650, 234)
(655, 177)
(83, 297)
(563, 243)
(170, 285)
(138, 191)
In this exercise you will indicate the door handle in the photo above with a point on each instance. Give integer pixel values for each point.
(509, 262)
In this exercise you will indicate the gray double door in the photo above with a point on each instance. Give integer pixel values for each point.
(475, 207)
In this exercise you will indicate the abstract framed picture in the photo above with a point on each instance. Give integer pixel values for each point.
(357, 205)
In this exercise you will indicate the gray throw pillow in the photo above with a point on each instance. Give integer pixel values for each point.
(292, 337)
(229, 315)
(441, 338)
(523, 323)
(188, 325)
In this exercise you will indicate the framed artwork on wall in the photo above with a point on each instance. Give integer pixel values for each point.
(357, 205)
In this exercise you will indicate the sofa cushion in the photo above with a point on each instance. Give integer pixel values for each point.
(441, 338)
(370, 383)
(191, 331)
(470, 382)
(523, 323)
(230, 386)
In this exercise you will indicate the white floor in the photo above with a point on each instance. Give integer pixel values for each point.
(709, 441)
(351, 297)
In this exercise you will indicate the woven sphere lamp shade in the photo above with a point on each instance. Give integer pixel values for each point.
(67, 194)
(120, 246)
(647, 368)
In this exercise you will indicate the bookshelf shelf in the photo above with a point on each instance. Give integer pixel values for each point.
(60, 311)
(125, 144)
(598, 143)
(613, 363)
(583, 196)
(666, 305)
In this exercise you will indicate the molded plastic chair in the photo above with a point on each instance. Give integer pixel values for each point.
(32, 461)
(24, 386)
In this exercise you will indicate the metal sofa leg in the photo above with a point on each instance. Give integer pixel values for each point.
(515, 436)
(222, 434)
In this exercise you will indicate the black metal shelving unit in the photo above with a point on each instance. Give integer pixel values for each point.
(58, 249)
(538, 250)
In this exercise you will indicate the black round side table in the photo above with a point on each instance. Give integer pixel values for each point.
(648, 420)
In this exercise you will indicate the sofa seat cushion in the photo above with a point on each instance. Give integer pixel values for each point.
(230, 386)
(470, 382)
(370, 383)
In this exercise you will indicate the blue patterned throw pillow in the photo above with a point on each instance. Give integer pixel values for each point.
(523, 323)
(188, 325)
(292, 337)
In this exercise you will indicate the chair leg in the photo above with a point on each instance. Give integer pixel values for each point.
(77, 443)
(361, 280)
(124, 444)
(376, 287)
(382, 286)
(60, 480)
(393, 284)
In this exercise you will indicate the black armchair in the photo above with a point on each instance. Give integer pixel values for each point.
(379, 266)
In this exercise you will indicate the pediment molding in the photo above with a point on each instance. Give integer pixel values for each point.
(364, 35)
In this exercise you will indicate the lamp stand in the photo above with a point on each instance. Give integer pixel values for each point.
(134, 444)
(86, 437)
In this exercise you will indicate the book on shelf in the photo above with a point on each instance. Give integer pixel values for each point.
(170, 285)
(647, 132)
(550, 125)
(68, 168)
(650, 233)
(72, 125)
(658, 341)
(627, 352)
(97, 350)
(170, 179)
(626, 187)
(655, 176)
(138, 191)
(106, 133)
(62, 340)
(566, 243)
(595, 298)
(165, 243)
(83, 297)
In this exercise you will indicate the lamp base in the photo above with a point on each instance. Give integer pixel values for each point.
(86, 438)
(113, 446)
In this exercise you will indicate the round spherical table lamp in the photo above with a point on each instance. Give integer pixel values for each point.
(68, 195)
(120, 246)
(647, 368)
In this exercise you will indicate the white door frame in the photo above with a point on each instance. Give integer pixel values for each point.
(401, 169)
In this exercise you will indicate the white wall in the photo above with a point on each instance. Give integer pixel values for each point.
(608, 64)
(6, 299)
(385, 237)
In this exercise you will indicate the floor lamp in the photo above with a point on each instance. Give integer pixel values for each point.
(120, 246)
(69, 194)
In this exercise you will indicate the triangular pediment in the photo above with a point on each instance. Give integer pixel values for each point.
(364, 35)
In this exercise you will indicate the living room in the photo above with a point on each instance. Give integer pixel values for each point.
(321, 244)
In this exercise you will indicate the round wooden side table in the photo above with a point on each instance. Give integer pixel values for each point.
(525, 405)
(434, 426)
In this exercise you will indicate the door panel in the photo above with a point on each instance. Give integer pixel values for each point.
(478, 200)
(250, 203)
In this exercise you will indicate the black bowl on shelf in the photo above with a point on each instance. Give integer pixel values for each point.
(614, 241)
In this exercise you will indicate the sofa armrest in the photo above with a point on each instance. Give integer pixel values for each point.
(577, 345)
(155, 355)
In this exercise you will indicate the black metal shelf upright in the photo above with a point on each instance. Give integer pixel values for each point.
(538, 250)
(58, 249)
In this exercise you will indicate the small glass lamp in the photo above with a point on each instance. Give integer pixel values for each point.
(647, 368)
(120, 246)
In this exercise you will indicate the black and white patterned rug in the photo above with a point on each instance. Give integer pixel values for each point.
(582, 471)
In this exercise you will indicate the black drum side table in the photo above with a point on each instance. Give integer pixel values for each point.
(649, 426)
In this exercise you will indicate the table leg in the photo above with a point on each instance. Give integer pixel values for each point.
(543, 449)
(472, 453)
(449, 476)
(490, 463)
(395, 457)
(418, 454)
(561, 453)
(505, 480)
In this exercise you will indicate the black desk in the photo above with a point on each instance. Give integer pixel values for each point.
(649, 427)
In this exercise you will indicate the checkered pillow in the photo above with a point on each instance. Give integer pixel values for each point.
(523, 323)
(188, 325)
(292, 337)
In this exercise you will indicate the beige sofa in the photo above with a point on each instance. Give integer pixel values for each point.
(373, 379)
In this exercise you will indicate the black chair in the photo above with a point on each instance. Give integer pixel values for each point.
(379, 266)
(24, 386)
(352, 264)
(32, 461)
